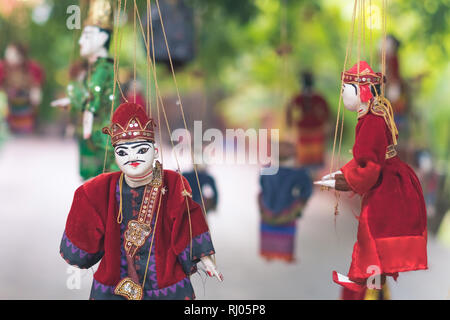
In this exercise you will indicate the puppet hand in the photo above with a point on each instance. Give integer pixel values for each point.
(35, 96)
(211, 268)
(88, 121)
(331, 175)
(61, 103)
(326, 183)
(341, 183)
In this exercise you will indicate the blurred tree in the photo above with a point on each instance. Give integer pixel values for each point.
(236, 45)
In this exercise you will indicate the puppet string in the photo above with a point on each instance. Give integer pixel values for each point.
(348, 53)
(153, 237)
(117, 42)
(159, 97)
(181, 108)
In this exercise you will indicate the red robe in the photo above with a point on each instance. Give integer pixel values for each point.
(311, 131)
(392, 231)
(92, 226)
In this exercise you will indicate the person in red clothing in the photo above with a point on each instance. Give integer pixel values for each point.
(140, 223)
(309, 112)
(392, 231)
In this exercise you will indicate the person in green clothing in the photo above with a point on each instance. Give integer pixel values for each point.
(93, 97)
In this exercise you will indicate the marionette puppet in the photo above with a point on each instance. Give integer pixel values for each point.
(392, 230)
(21, 78)
(281, 201)
(310, 112)
(140, 223)
(93, 97)
(208, 188)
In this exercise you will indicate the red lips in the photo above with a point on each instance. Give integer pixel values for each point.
(134, 164)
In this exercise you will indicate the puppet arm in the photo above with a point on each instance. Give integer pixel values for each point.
(78, 257)
(82, 242)
(186, 223)
(369, 155)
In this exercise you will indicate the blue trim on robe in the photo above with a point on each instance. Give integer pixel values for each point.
(77, 257)
(201, 247)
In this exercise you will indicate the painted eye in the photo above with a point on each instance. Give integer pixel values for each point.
(121, 153)
(142, 150)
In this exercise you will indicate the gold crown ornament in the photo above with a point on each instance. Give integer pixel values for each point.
(100, 14)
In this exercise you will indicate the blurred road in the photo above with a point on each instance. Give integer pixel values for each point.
(40, 175)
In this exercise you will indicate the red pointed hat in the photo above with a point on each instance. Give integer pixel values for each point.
(130, 122)
(365, 78)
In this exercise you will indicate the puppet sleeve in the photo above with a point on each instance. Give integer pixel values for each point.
(37, 73)
(82, 241)
(369, 153)
(181, 239)
(322, 110)
(77, 94)
(306, 186)
(100, 85)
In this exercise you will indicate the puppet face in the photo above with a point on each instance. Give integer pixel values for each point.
(350, 97)
(92, 40)
(13, 56)
(135, 158)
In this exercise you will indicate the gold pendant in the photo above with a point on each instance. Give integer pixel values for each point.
(129, 289)
(137, 233)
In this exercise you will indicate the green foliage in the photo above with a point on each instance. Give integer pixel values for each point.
(236, 53)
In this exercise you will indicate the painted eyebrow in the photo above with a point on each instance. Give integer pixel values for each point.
(141, 144)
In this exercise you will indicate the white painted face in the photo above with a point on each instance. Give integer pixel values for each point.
(92, 40)
(350, 97)
(12, 56)
(135, 158)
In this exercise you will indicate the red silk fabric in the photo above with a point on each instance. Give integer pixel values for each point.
(392, 230)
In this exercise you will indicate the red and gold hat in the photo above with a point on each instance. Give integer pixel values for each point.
(130, 122)
(364, 79)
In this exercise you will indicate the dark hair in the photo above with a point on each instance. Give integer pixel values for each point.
(376, 89)
(395, 40)
(307, 79)
(108, 41)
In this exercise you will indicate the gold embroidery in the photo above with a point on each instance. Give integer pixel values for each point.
(136, 233)
(129, 289)
(390, 152)
(139, 229)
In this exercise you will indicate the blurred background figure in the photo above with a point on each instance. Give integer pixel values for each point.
(281, 201)
(207, 185)
(3, 113)
(21, 78)
(132, 88)
(436, 192)
(309, 112)
(396, 90)
(179, 32)
(92, 94)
